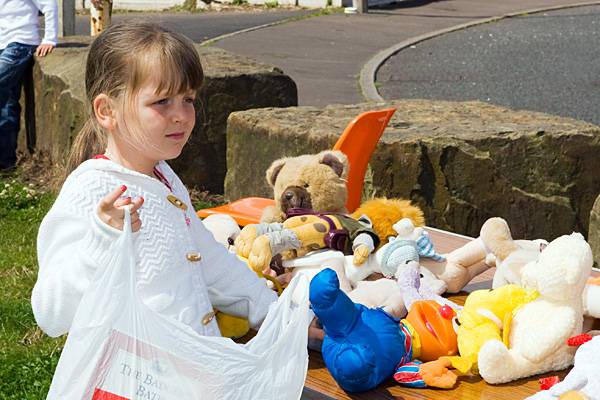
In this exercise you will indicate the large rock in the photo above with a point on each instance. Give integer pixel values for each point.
(594, 231)
(232, 83)
(461, 162)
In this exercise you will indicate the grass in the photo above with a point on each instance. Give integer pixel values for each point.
(27, 356)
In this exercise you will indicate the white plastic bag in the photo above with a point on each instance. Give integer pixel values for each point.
(119, 349)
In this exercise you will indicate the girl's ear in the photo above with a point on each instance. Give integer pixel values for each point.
(103, 111)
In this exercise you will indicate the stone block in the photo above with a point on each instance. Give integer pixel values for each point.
(462, 162)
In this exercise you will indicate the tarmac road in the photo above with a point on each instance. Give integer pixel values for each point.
(547, 62)
(201, 26)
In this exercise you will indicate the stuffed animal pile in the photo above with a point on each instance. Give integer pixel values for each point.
(540, 290)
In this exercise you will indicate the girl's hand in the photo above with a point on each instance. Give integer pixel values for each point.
(112, 208)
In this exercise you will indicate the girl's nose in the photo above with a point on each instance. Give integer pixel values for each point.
(179, 114)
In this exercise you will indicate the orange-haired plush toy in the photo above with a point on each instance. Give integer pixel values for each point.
(384, 213)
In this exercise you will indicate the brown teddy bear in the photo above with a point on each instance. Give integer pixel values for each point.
(312, 181)
(317, 182)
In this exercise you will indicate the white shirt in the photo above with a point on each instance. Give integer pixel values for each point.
(19, 22)
(73, 244)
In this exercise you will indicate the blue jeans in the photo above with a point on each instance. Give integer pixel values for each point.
(14, 60)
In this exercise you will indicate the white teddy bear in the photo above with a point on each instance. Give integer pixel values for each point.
(539, 329)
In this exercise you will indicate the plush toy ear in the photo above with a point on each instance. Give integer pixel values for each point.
(274, 170)
(336, 160)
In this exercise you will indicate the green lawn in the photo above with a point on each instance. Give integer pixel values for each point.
(27, 356)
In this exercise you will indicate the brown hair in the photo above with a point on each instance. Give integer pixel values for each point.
(120, 60)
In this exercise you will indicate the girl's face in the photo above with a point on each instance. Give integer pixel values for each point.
(163, 123)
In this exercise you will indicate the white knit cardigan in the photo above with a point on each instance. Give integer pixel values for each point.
(73, 244)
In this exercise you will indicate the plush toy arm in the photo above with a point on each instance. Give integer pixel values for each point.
(245, 240)
(272, 214)
(436, 373)
(537, 348)
(267, 245)
(362, 246)
(591, 299)
(409, 283)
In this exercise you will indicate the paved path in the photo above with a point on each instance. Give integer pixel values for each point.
(324, 55)
(547, 62)
(202, 26)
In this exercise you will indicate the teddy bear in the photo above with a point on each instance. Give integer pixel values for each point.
(384, 293)
(310, 181)
(540, 328)
(513, 332)
(223, 228)
(317, 182)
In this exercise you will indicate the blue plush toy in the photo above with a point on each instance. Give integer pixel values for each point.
(362, 346)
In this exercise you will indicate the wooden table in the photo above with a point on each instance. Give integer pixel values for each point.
(320, 385)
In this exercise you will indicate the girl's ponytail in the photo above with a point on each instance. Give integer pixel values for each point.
(90, 141)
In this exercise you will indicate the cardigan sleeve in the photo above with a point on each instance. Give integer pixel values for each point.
(232, 287)
(71, 248)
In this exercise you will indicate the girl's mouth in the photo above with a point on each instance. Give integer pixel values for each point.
(176, 135)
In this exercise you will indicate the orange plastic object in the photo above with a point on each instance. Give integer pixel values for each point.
(435, 330)
(245, 211)
(358, 141)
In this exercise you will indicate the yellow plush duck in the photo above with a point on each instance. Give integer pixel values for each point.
(486, 315)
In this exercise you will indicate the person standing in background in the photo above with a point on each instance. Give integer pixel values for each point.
(19, 41)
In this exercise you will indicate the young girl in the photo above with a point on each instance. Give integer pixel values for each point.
(141, 81)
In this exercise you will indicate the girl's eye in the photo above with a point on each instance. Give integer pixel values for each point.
(190, 100)
(162, 101)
